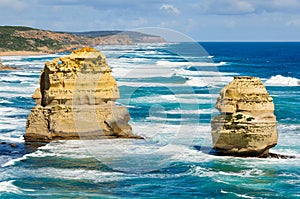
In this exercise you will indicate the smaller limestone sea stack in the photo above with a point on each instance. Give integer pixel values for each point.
(247, 124)
(76, 99)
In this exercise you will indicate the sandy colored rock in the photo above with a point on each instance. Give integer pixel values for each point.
(4, 67)
(247, 124)
(76, 99)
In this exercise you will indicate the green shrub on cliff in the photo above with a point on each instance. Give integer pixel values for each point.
(9, 41)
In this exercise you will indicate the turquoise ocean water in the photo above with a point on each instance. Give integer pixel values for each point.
(170, 91)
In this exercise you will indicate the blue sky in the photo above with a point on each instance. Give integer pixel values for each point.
(202, 20)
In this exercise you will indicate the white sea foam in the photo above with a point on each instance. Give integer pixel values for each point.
(5, 101)
(240, 195)
(11, 58)
(287, 152)
(153, 52)
(106, 150)
(33, 64)
(280, 80)
(201, 172)
(190, 82)
(132, 60)
(67, 148)
(172, 64)
(9, 187)
(153, 119)
(142, 72)
(147, 129)
(210, 81)
(96, 176)
(207, 64)
(188, 64)
(11, 111)
(7, 122)
(26, 73)
(265, 163)
(197, 112)
(12, 124)
(248, 173)
(20, 61)
(176, 98)
(196, 81)
(149, 84)
(193, 95)
(28, 89)
(182, 112)
(38, 153)
(11, 95)
(288, 135)
(14, 78)
(288, 127)
(15, 138)
(184, 72)
(20, 57)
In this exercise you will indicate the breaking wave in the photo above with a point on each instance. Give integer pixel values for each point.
(280, 80)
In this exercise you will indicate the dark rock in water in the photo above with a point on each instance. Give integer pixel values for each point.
(76, 100)
(210, 151)
(247, 124)
(13, 145)
(3, 143)
(278, 156)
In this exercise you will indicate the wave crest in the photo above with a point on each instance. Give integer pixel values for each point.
(280, 80)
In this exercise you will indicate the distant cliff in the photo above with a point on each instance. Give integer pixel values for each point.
(18, 38)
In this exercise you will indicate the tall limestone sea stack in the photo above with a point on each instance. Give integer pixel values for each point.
(247, 124)
(76, 99)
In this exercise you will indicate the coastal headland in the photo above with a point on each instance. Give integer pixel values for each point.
(22, 41)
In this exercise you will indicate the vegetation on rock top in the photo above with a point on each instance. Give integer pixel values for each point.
(19, 38)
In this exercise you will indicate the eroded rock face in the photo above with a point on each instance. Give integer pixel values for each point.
(247, 124)
(76, 99)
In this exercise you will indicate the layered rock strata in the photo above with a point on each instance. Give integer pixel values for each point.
(247, 124)
(76, 99)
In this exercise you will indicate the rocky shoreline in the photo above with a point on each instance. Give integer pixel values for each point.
(18, 40)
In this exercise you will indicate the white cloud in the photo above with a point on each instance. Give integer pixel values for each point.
(224, 7)
(139, 22)
(286, 3)
(282, 6)
(170, 9)
(294, 22)
(236, 7)
(231, 24)
(242, 7)
(204, 19)
(14, 4)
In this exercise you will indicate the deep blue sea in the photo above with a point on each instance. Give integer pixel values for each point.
(170, 91)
